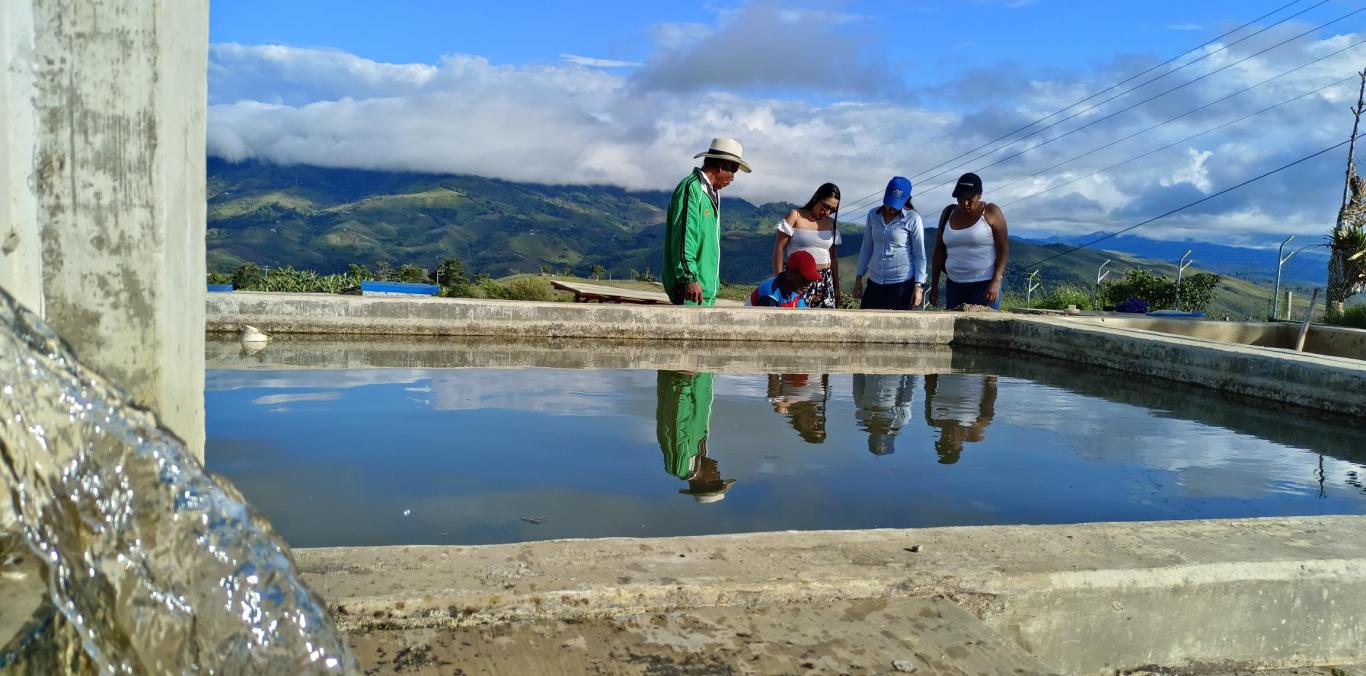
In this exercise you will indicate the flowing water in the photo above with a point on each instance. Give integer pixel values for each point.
(146, 563)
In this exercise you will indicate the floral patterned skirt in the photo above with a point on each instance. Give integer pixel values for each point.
(822, 293)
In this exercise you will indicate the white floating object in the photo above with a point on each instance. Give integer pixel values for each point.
(251, 334)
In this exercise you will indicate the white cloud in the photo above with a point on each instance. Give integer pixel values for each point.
(765, 46)
(1194, 172)
(594, 62)
(272, 399)
(1185, 27)
(567, 123)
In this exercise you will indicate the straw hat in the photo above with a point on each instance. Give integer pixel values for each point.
(714, 491)
(726, 149)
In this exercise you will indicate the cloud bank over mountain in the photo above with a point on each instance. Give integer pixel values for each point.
(808, 115)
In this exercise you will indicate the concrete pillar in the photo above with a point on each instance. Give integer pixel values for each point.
(103, 110)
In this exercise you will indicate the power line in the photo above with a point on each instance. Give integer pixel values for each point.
(1116, 96)
(1164, 123)
(1176, 143)
(1147, 100)
(1187, 206)
(869, 199)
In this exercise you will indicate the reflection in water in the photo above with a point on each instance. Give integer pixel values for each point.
(961, 405)
(1064, 446)
(682, 421)
(802, 398)
(882, 405)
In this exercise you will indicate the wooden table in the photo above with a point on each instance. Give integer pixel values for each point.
(597, 293)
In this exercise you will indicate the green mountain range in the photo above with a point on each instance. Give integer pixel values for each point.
(323, 219)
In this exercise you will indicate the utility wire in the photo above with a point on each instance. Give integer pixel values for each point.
(1202, 200)
(1164, 123)
(1135, 77)
(1135, 88)
(1178, 142)
(869, 199)
(1140, 103)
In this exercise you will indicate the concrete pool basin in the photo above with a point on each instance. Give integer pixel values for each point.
(1322, 382)
(1331, 341)
(1205, 596)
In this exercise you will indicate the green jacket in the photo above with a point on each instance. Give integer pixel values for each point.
(692, 240)
(682, 418)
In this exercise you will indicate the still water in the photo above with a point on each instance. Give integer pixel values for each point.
(383, 456)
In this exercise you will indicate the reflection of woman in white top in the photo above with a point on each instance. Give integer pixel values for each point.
(961, 405)
(814, 228)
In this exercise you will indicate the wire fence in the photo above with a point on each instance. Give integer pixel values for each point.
(1244, 292)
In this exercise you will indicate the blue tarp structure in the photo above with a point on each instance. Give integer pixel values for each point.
(397, 289)
(220, 288)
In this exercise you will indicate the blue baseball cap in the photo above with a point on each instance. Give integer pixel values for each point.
(898, 192)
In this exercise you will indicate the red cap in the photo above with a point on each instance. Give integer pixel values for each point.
(805, 265)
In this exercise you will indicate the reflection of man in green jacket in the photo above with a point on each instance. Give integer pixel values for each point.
(682, 420)
(692, 233)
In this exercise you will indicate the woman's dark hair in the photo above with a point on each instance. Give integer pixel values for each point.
(826, 190)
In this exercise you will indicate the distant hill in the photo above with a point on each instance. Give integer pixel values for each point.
(324, 219)
(1308, 268)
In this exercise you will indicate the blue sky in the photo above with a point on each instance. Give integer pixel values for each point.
(923, 43)
(625, 93)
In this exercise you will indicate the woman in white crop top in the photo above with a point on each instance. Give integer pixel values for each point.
(814, 229)
(971, 248)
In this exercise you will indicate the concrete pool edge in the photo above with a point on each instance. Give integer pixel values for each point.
(1275, 592)
(1331, 384)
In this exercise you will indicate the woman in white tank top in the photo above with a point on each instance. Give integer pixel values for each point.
(814, 228)
(971, 247)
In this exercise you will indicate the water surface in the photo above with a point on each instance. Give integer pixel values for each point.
(381, 456)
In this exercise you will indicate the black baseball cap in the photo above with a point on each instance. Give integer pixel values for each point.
(969, 184)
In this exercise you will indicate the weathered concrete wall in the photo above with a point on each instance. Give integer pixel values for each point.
(305, 352)
(1090, 598)
(359, 315)
(1326, 340)
(104, 109)
(1313, 381)
(20, 252)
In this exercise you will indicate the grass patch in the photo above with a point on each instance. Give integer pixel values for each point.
(1352, 317)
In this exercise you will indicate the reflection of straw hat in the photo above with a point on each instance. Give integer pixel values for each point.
(711, 491)
(726, 149)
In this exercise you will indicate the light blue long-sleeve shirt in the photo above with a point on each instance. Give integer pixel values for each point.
(893, 252)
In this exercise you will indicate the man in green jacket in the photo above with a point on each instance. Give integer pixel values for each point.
(692, 233)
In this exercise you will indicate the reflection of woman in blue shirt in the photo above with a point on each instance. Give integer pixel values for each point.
(882, 405)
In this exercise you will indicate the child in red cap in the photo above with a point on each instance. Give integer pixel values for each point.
(785, 290)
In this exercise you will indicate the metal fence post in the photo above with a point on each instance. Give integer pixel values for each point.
(1276, 291)
(1181, 266)
(1100, 277)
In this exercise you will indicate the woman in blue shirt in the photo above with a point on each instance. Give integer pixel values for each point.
(893, 253)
